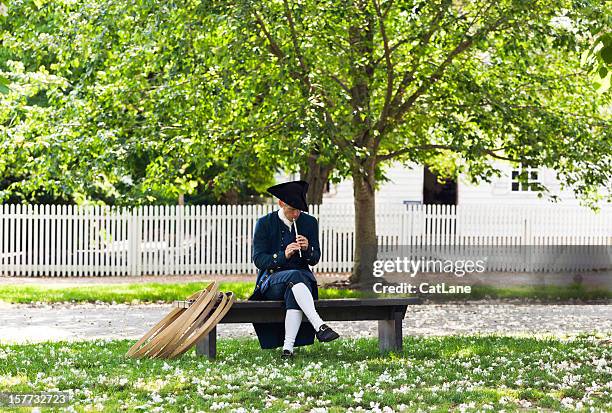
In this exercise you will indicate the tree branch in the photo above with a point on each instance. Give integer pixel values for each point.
(434, 77)
(361, 40)
(302, 75)
(391, 155)
(391, 50)
(272, 44)
(389, 7)
(390, 69)
(434, 25)
(409, 76)
(296, 44)
(492, 153)
(341, 83)
(382, 123)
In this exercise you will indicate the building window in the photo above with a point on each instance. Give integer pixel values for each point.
(525, 179)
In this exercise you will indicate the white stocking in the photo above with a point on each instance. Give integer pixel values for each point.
(304, 299)
(293, 319)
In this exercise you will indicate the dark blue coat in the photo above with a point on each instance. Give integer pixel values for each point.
(270, 238)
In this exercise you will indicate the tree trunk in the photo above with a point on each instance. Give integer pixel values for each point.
(361, 43)
(365, 226)
(230, 197)
(316, 175)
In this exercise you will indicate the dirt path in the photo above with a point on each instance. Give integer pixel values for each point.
(26, 323)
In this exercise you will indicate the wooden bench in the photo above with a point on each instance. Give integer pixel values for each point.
(388, 311)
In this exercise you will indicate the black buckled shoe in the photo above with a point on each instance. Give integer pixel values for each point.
(287, 355)
(325, 333)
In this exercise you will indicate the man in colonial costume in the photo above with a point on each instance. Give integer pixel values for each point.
(285, 245)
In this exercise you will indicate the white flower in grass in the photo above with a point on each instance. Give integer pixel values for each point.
(524, 403)
(504, 400)
(600, 364)
(318, 410)
(219, 405)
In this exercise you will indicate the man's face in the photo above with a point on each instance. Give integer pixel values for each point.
(291, 213)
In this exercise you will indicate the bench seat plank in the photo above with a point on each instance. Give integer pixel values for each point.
(388, 311)
(331, 303)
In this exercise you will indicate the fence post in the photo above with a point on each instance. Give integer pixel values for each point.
(130, 236)
(137, 242)
(134, 231)
(528, 256)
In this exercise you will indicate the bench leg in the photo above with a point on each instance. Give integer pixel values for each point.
(207, 346)
(390, 333)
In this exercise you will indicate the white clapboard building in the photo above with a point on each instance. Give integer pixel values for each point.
(416, 185)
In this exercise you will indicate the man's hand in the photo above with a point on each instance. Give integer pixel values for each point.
(303, 242)
(291, 249)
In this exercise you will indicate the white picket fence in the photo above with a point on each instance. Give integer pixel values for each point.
(67, 240)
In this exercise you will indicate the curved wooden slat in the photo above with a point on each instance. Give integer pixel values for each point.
(162, 338)
(160, 326)
(185, 329)
(207, 326)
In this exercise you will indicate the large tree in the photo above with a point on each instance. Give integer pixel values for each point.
(410, 80)
(128, 103)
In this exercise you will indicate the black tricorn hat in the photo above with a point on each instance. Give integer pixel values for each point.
(292, 193)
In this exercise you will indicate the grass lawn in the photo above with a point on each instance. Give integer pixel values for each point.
(168, 292)
(137, 292)
(462, 373)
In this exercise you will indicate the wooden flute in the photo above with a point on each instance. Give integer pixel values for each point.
(296, 235)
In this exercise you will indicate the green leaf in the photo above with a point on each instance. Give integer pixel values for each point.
(606, 54)
(4, 82)
(603, 72)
